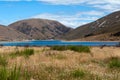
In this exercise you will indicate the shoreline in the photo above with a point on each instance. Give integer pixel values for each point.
(59, 40)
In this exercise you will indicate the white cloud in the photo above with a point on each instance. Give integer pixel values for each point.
(64, 2)
(109, 5)
(80, 18)
(91, 13)
(106, 5)
(74, 20)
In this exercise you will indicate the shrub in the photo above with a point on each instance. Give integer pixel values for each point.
(78, 73)
(26, 52)
(73, 48)
(114, 62)
(79, 48)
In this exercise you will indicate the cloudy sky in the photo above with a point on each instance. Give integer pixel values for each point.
(72, 13)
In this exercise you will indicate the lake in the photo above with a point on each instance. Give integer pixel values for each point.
(58, 42)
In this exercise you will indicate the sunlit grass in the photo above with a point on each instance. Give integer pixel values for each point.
(52, 64)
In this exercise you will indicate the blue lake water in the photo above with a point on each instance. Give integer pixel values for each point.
(58, 42)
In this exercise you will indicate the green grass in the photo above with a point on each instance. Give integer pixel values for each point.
(114, 62)
(3, 60)
(9, 74)
(3, 73)
(73, 48)
(13, 74)
(26, 52)
(78, 73)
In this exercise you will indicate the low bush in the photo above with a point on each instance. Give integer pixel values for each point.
(78, 73)
(80, 48)
(114, 62)
(26, 52)
(73, 48)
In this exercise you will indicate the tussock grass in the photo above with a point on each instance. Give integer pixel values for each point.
(52, 72)
(114, 62)
(3, 60)
(78, 73)
(73, 48)
(26, 52)
(53, 65)
(14, 73)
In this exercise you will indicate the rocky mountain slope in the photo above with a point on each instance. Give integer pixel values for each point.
(9, 34)
(40, 28)
(104, 29)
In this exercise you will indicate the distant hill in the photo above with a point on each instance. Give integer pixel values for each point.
(8, 34)
(104, 29)
(40, 28)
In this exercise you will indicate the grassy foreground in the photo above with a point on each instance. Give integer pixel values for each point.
(59, 63)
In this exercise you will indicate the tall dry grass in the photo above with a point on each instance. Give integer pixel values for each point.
(47, 64)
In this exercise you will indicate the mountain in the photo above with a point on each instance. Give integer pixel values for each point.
(40, 28)
(9, 34)
(104, 29)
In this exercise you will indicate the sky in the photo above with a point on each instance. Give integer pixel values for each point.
(71, 13)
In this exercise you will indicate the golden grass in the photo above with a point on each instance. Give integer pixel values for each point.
(51, 65)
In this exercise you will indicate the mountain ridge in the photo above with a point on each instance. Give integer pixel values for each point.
(109, 25)
(106, 28)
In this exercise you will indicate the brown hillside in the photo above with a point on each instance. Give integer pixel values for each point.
(103, 29)
(40, 28)
(10, 34)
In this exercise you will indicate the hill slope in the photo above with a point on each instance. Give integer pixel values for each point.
(9, 34)
(103, 29)
(40, 28)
